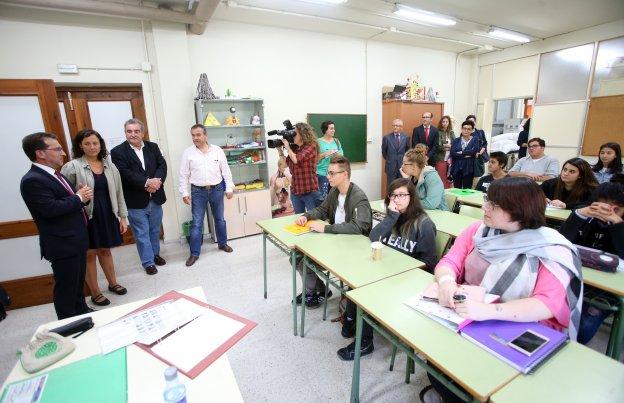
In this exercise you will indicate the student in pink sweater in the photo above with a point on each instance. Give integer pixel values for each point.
(534, 269)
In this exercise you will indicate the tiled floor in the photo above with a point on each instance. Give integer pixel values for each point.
(270, 364)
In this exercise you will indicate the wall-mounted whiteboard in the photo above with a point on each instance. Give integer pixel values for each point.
(20, 115)
(564, 75)
(559, 124)
(515, 78)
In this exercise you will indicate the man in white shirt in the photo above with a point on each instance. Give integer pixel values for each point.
(205, 168)
(537, 165)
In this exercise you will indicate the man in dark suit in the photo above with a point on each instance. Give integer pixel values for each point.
(143, 170)
(427, 134)
(61, 221)
(393, 148)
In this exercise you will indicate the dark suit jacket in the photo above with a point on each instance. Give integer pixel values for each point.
(418, 136)
(464, 160)
(58, 215)
(133, 176)
(393, 154)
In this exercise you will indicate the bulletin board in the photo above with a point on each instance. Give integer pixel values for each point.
(605, 123)
(350, 131)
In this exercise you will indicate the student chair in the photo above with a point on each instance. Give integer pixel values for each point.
(470, 211)
(442, 241)
(451, 199)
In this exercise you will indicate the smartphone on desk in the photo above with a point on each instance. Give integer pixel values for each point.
(528, 342)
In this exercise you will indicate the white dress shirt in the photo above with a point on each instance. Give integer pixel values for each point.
(139, 153)
(204, 169)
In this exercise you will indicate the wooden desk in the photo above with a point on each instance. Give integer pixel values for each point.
(476, 370)
(612, 283)
(273, 230)
(349, 258)
(574, 374)
(146, 380)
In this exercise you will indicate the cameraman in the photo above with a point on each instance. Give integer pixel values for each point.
(302, 166)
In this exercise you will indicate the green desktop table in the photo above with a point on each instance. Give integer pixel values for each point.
(574, 374)
(612, 283)
(445, 221)
(349, 259)
(273, 230)
(380, 304)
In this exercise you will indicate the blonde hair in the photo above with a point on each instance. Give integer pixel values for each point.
(281, 162)
(417, 156)
(307, 135)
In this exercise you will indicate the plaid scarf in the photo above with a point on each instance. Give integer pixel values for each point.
(514, 261)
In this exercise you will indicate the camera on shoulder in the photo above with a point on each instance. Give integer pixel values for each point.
(288, 134)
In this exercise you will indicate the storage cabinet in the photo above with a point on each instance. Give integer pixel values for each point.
(244, 145)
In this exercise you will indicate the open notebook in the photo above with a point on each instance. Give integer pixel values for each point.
(427, 303)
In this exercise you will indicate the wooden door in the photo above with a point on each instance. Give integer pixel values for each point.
(257, 206)
(234, 213)
(105, 110)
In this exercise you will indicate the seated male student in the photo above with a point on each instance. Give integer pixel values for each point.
(348, 211)
(537, 165)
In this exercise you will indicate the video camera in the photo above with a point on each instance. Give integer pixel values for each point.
(278, 135)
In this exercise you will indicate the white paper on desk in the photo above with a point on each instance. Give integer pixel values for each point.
(198, 339)
(148, 325)
(446, 316)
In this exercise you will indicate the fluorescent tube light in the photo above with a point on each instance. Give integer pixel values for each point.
(508, 35)
(325, 1)
(422, 16)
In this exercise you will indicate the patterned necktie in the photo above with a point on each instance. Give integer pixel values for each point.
(70, 192)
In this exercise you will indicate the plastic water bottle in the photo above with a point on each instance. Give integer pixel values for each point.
(175, 391)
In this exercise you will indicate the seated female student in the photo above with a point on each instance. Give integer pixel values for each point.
(600, 226)
(609, 162)
(496, 168)
(573, 187)
(406, 228)
(429, 186)
(500, 254)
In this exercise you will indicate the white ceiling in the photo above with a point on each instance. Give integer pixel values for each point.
(365, 18)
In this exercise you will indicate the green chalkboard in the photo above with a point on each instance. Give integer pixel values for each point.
(350, 131)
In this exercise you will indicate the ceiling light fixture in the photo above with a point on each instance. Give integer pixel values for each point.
(422, 16)
(325, 1)
(506, 35)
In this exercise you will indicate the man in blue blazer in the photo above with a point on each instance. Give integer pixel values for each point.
(143, 170)
(427, 134)
(58, 212)
(393, 148)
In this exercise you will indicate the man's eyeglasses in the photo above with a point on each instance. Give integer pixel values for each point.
(57, 149)
(535, 146)
(333, 173)
(400, 196)
(488, 202)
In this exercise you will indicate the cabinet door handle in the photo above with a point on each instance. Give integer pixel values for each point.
(245, 204)
(238, 201)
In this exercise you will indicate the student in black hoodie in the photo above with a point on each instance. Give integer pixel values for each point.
(406, 228)
(600, 226)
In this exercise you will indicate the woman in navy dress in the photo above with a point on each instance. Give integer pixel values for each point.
(107, 211)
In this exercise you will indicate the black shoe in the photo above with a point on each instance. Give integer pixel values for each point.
(348, 353)
(226, 248)
(321, 295)
(151, 270)
(348, 328)
(159, 260)
(312, 301)
(298, 299)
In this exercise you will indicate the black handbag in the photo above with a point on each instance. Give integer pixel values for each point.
(80, 325)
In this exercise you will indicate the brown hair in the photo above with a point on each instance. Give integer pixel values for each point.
(307, 135)
(522, 198)
(417, 155)
(78, 152)
(343, 162)
(34, 142)
(450, 125)
(414, 211)
(585, 183)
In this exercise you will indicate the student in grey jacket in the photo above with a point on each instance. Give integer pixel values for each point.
(348, 211)
(406, 228)
(107, 213)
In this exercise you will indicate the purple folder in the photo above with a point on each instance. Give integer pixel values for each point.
(481, 333)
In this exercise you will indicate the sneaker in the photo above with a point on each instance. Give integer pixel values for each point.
(312, 301)
(348, 353)
(297, 300)
(321, 295)
(348, 328)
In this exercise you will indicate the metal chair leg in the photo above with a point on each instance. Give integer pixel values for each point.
(325, 300)
(394, 351)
